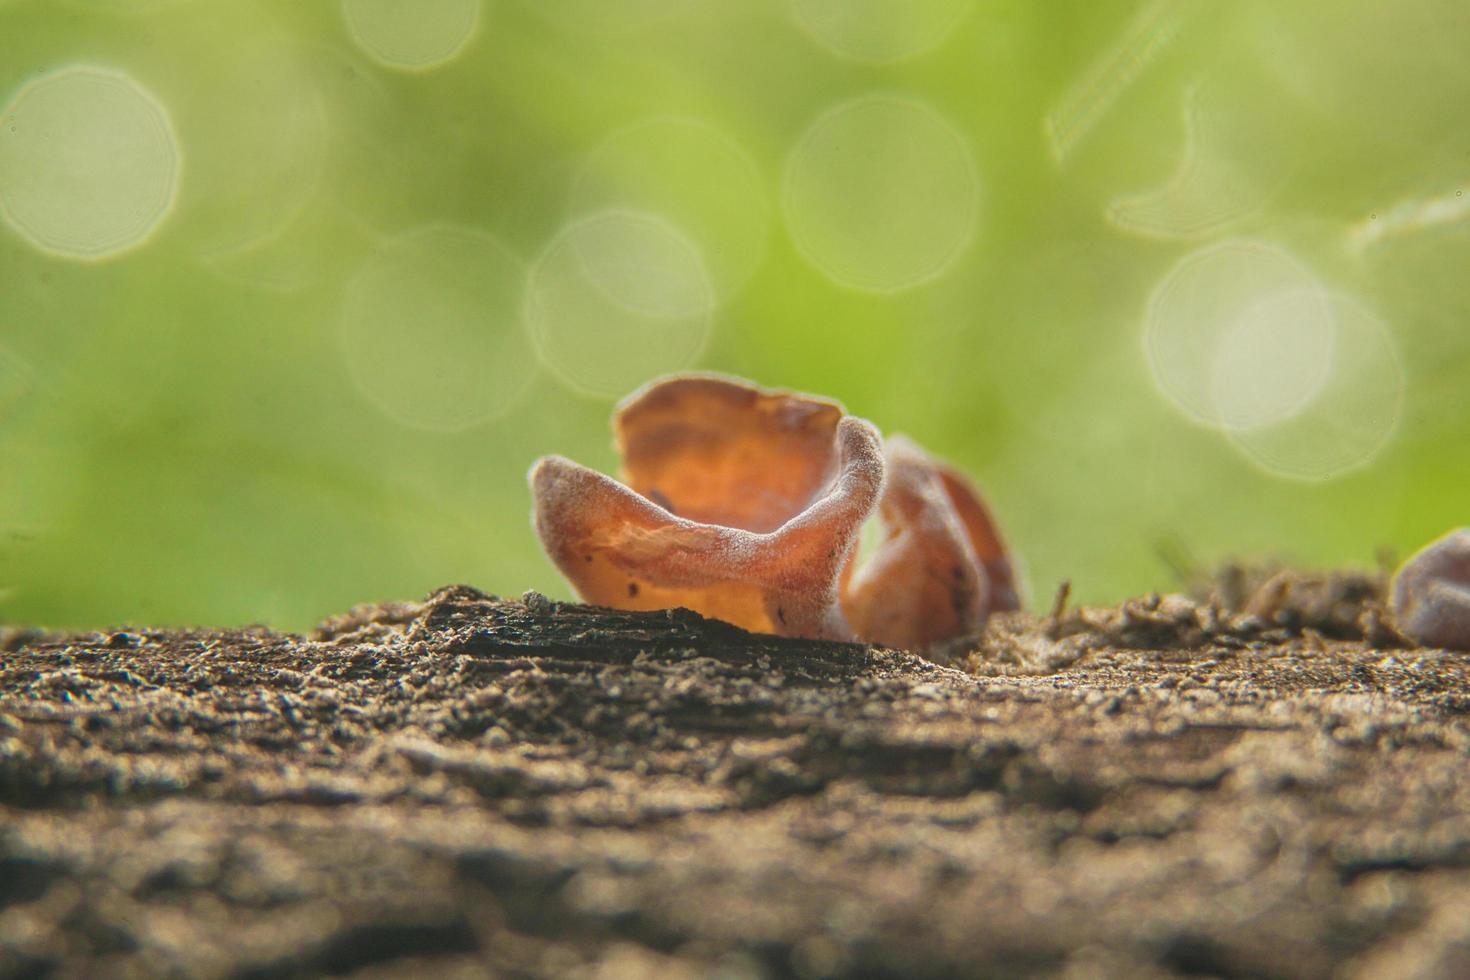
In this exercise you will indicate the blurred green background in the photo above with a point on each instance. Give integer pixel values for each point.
(292, 294)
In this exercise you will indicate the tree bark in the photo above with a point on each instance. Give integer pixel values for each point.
(474, 786)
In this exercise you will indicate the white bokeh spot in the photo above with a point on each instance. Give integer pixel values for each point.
(880, 31)
(1239, 334)
(431, 329)
(89, 164)
(696, 177)
(412, 36)
(1351, 417)
(1272, 359)
(618, 297)
(258, 133)
(882, 194)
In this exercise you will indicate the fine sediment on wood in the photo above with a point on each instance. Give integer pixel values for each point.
(1262, 781)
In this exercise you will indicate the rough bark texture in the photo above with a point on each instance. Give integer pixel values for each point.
(472, 786)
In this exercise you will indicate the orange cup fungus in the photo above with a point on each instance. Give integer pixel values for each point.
(746, 505)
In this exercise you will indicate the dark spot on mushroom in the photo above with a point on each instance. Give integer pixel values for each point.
(657, 497)
(632, 589)
(588, 557)
(957, 573)
(781, 615)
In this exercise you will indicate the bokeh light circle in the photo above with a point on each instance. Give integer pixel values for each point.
(1351, 417)
(1273, 359)
(880, 31)
(89, 164)
(695, 176)
(618, 297)
(258, 133)
(431, 329)
(882, 193)
(412, 36)
(1239, 334)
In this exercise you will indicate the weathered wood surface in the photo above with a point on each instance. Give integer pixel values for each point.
(472, 786)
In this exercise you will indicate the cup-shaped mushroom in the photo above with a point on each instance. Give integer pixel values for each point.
(941, 567)
(1431, 593)
(740, 503)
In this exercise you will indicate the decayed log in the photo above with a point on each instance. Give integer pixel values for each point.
(471, 785)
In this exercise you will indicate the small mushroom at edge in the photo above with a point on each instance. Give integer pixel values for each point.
(1431, 593)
